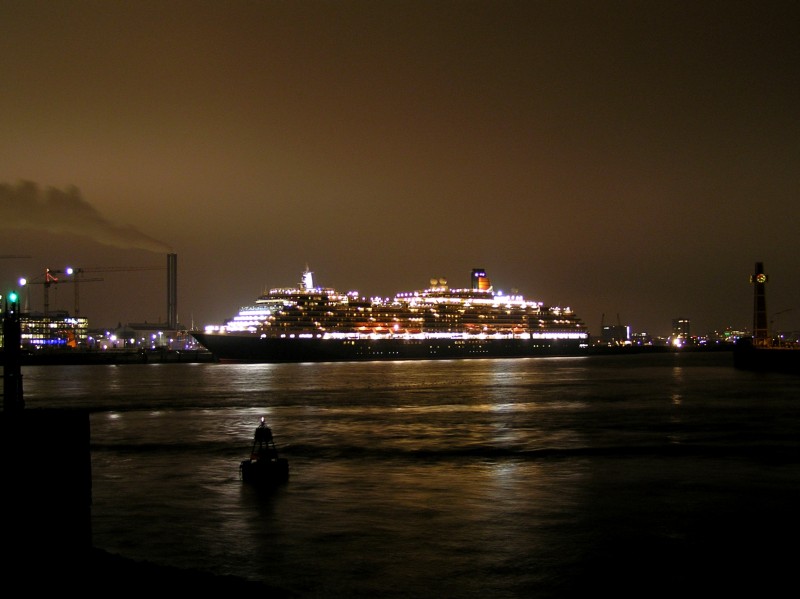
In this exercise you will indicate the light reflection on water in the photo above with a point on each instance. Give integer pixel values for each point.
(485, 478)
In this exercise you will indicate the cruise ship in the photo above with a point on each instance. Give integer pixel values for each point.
(308, 323)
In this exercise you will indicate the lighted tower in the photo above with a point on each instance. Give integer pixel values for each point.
(760, 332)
(12, 373)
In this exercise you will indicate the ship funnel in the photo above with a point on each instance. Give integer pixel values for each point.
(479, 280)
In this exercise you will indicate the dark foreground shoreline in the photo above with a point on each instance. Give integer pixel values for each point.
(96, 572)
(46, 530)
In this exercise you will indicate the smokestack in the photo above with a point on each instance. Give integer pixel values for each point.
(479, 280)
(172, 291)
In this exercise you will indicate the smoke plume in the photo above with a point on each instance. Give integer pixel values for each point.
(25, 206)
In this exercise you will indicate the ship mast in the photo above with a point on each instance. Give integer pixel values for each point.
(308, 279)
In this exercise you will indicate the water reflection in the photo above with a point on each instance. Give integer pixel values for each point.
(484, 478)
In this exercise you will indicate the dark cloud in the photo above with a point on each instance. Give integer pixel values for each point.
(26, 206)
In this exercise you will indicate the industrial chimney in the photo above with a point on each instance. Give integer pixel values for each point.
(172, 291)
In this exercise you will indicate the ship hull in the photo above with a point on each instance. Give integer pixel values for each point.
(252, 348)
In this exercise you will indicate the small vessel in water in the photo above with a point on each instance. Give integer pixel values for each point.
(264, 467)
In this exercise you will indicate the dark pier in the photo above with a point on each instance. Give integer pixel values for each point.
(46, 499)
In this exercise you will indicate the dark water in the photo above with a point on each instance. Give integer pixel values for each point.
(637, 475)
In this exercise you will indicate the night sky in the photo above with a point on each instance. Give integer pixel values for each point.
(631, 160)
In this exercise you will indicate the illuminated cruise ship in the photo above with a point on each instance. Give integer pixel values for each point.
(307, 323)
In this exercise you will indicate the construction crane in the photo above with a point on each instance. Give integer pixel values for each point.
(117, 268)
(50, 277)
(776, 328)
(78, 272)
